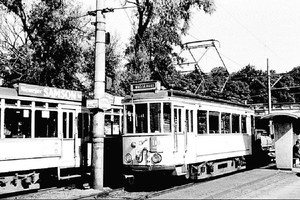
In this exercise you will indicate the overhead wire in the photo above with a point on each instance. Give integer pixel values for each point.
(252, 33)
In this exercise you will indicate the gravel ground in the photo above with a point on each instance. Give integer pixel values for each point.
(63, 193)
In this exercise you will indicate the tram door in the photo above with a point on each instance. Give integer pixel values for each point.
(69, 139)
(179, 133)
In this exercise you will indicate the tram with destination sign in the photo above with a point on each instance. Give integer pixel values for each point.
(179, 133)
(45, 135)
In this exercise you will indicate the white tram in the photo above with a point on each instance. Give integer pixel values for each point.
(183, 133)
(45, 135)
(41, 128)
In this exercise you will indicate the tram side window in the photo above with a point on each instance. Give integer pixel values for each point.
(155, 117)
(17, 123)
(45, 123)
(235, 123)
(202, 121)
(213, 122)
(244, 127)
(129, 119)
(141, 118)
(225, 123)
(167, 117)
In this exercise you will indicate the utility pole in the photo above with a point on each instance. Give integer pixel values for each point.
(269, 87)
(269, 98)
(99, 94)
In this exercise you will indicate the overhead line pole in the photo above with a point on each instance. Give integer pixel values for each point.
(99, 93)
(269, 87)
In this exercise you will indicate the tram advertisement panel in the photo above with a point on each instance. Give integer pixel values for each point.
(49, 92)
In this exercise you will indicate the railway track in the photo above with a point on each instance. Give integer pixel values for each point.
(69, 191)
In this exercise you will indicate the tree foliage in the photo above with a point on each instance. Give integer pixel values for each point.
(159, 26)
(54, 42)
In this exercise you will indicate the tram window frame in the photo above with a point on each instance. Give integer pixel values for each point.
(167, 120)
(178, 119)
(113, 121)
(67, 125)
(235, 118)
(214, 121)
(202, 121)
(141, 117)
(15, 128)
(155, 111)
(129, 119)
(11, 102)
(39, 104)
(46, 125)
(243, 123)
(26, 103)
(225, 123)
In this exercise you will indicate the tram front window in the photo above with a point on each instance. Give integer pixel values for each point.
(141, 118)
(155, 116)
(129, 119)
(17, 123)
(167, 117)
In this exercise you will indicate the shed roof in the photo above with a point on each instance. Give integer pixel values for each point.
(293, 114)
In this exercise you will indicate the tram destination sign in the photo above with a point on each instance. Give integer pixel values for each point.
(49, 92)
(145, 86)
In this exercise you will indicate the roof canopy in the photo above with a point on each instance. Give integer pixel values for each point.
(292, 114)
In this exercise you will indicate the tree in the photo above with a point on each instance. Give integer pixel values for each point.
(54, 41)
(159, 26)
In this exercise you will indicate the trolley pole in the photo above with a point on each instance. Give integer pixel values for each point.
(99, 93)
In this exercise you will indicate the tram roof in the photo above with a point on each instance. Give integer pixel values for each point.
(160, 94)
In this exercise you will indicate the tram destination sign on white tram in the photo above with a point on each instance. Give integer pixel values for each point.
(145, 86)
(49, 92)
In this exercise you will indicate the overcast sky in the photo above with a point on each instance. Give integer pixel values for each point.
(248, 31)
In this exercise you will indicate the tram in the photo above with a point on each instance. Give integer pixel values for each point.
(45, 135)
(183, 134)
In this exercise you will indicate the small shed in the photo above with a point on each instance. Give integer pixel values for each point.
(286, 131)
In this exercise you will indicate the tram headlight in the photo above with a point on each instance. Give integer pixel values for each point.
(133, 144)
(156, 158)
(128, 158)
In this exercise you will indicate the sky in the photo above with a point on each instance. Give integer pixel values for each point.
(255, 32)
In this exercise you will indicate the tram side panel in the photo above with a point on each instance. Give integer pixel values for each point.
(26, 154)
(214, 147)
